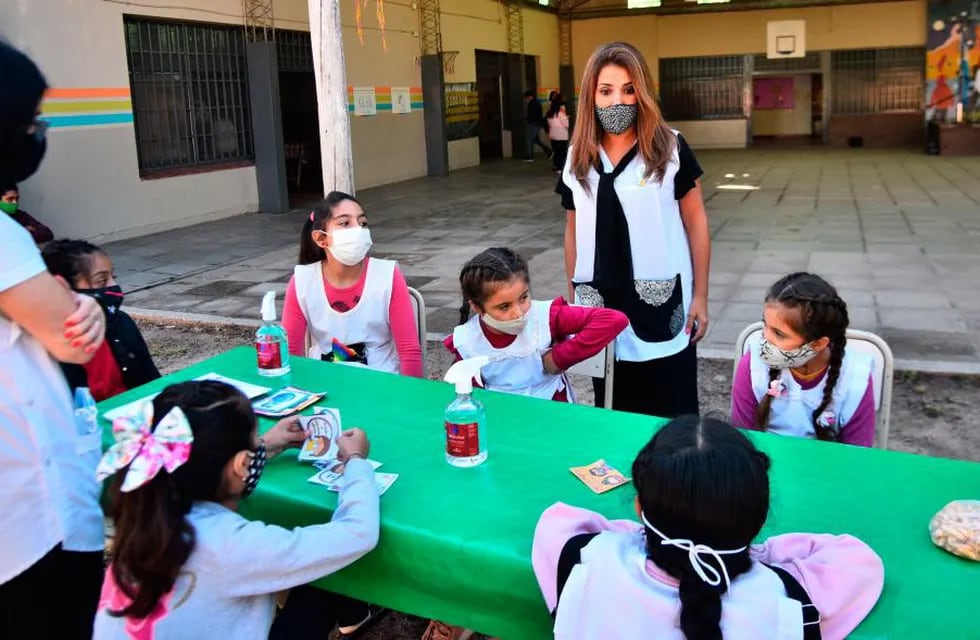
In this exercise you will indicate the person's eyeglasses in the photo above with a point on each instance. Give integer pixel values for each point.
(38, 129)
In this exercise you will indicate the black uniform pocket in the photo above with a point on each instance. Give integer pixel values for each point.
(655, 308)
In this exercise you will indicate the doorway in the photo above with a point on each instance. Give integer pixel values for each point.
(491, 118)
(787, 109)
(300, 119)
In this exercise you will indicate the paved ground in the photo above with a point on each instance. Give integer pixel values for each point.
(897, 231)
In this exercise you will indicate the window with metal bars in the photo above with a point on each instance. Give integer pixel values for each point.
(869, 81)
(294, 50)
(189, 90)
(701, 88)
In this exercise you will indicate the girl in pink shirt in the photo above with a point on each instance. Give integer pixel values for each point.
(339, 293)
(799, 378)
(686, 567)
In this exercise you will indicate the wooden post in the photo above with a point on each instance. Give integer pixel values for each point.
(331, 93)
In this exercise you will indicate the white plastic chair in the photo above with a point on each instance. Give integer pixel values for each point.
(418, 306)
(882, 371)
(600, 365)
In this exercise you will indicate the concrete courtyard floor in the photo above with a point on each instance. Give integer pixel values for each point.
(898, 232)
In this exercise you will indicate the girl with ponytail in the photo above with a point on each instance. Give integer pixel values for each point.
(687, 569)
(185, 564)
(798, 378)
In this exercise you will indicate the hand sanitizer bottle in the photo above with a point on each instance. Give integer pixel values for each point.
(271, 343)
(465, 418)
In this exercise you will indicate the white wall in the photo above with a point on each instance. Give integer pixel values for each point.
(89, 184)
(713, 134)
(464, 153)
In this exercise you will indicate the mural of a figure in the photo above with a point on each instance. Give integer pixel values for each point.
(952, 51)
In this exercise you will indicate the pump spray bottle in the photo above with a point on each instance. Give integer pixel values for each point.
(465, 418)
(271, 343)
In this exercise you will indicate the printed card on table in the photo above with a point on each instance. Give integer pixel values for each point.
(286, 401)
(335, 482)
(599, 476)
(322, 429)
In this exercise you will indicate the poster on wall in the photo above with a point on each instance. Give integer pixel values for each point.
(773, 93)
(401, 100)
(462, 111)
(365, 101)
(953, 61)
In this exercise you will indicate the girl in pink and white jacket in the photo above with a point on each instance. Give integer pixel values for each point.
(689, 571)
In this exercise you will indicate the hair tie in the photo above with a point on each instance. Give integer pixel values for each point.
(313, 216)
(694, 553)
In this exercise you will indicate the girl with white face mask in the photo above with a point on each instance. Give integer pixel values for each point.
(798, 378)
(338, 292)
(531, 342)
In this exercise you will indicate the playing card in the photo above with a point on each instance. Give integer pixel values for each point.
(335, 482)
(285, 401)
(322, 428)
(599, 476)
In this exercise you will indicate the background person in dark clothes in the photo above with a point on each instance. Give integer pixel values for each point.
(535, 122)
(10, 204)
(123, 361)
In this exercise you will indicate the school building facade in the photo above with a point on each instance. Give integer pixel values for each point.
(160, 116)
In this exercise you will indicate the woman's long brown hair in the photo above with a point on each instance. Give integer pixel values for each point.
(655, 139)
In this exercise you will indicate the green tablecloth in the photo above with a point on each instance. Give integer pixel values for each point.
(455, 543)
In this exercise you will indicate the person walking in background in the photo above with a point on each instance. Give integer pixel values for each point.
(557, 119)
(535, 122)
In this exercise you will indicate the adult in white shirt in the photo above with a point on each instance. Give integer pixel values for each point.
(51, 528)
(636, 236)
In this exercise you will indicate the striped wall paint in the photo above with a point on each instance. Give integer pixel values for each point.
(77, 108)
(383, 98)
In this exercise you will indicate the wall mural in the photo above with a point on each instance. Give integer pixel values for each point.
(953, 61)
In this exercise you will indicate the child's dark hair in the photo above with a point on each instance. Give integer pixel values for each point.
(153, 538)
(556, 105)
(822, 313)
(316, 220)
(702, 480)
(69, 258)
(496, 264)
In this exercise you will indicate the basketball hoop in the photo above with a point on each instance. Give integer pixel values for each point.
(449, 62)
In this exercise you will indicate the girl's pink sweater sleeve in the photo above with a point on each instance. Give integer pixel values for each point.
(557, 525)
(744, 402)
(841, 574)
(591, 329)
(294, 321)
(404, 330)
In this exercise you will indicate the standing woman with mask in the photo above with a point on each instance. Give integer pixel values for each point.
(636, 236)
(51, 526)
(338, 292)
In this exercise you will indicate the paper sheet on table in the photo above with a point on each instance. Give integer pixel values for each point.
(131, 408)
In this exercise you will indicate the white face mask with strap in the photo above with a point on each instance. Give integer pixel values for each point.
(350, 246)
(510, 327)
(708, 573)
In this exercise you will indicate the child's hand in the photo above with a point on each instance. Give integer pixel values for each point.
(352, 442)
(549, 363)
(287, 433)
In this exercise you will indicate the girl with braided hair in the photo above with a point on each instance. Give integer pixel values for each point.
(534, 342)
(686, 567)
(798, 378)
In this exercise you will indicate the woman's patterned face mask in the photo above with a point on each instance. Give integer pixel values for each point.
(617, 118)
